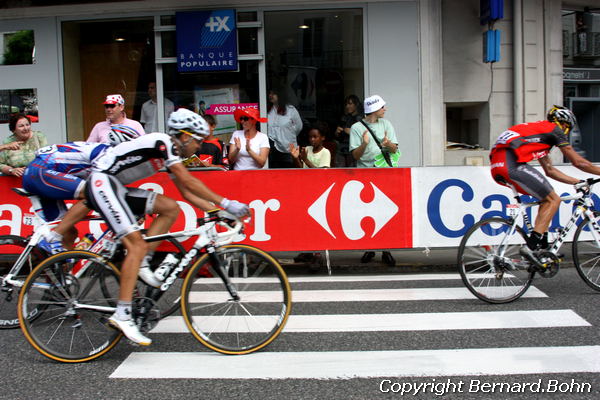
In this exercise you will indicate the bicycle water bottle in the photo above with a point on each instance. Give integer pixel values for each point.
(86, 241)
(165, 267)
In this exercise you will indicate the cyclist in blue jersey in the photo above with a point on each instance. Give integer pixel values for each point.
(58, 173)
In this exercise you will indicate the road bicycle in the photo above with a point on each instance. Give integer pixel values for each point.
(488, 257)
(235, 299)
(20, 255)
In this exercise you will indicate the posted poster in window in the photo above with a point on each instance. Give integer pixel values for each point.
(302, 90)
(204, 97)
(206, 41)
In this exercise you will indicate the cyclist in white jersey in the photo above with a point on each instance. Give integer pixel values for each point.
(140, 158)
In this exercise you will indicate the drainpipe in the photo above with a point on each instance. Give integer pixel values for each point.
(518, 62)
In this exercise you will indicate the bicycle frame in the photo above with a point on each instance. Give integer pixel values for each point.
(208, 238)
(583, 206)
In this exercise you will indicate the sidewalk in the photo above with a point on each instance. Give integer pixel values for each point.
(348, 261)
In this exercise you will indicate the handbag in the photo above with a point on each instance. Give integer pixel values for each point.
(385, 158)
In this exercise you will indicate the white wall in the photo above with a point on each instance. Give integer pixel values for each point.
(43, 76)
(392, 65)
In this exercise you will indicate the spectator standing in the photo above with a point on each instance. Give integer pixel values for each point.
(149, 115)
(364, 148)
(19, 148)
(213, 152)
(114, 108)
(315, 155)
(284, 126)
(248, 148)
(352, 114)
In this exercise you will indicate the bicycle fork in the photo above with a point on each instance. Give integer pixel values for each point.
(219, 268)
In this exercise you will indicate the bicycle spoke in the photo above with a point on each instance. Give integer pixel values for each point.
(490, 266)
(248, 323)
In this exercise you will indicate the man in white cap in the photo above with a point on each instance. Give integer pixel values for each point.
(364, 147)
(114, 108)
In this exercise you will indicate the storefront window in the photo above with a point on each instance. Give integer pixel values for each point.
(317, 58)
(581, 78)
(102, 58)
(200, 91)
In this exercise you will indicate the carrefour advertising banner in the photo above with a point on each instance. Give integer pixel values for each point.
(337, 208)
(206, 41)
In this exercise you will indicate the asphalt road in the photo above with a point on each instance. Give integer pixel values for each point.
(410, 348)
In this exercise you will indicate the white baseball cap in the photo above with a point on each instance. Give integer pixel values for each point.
(114, 99)
(373, 104)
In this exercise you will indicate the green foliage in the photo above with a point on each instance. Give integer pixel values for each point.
(19, 48)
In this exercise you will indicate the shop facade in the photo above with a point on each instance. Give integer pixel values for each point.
(424, 57)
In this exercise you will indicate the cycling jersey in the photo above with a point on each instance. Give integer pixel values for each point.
(138, 158)
(531, 141)
(57, 173)
(517, 146)
(124, 164)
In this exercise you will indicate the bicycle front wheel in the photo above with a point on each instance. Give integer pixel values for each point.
(489, 261)
(586, 253)
(14, 249)
(240, 325)
(77, 291)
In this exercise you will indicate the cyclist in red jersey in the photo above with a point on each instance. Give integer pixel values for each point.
(522, 143)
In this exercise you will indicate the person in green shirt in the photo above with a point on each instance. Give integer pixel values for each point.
(20, 147)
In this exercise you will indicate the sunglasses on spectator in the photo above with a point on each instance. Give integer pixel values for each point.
(110, 105)
(243, 119)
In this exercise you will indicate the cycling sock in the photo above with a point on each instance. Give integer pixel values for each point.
(54, 236)
(534, 240)
(123, 311)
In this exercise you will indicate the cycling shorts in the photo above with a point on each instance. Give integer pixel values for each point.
(526, 179)
(52, 188)
(120, 206)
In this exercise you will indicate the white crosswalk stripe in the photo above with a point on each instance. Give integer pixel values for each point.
(351, 364)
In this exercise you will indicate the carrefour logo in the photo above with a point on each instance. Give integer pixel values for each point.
(353, 210)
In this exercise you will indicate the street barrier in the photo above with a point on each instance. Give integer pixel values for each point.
(335, 209)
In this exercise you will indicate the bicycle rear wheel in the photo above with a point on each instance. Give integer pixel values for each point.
(494, 273)
(79, 291)
(236, 326)
(13, 248)
(586, 254)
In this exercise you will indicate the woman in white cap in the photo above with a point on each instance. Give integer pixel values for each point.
(364, 147)
(114, 109)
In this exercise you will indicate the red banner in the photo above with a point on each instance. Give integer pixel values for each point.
(303, 210)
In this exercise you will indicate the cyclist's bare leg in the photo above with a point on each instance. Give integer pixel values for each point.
(66, 227)
(548, 208)
(168, 211)
(136, 251)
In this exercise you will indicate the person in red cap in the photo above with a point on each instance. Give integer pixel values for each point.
(248, 148)
(114, 108)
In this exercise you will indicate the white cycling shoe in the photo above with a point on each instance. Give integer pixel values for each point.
(130, 330)
(146, 274)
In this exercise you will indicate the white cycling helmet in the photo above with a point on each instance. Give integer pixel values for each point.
(121, 133)
(188, 122)
(562, 115)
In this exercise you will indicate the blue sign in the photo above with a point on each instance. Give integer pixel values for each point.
(206, 41)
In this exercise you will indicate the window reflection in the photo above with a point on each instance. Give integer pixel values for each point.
(23, 101)
(17, 47)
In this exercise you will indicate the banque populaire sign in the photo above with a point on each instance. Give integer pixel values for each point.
(206, 41)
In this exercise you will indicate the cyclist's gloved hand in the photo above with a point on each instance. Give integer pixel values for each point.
(582, 186)
(235, 207)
